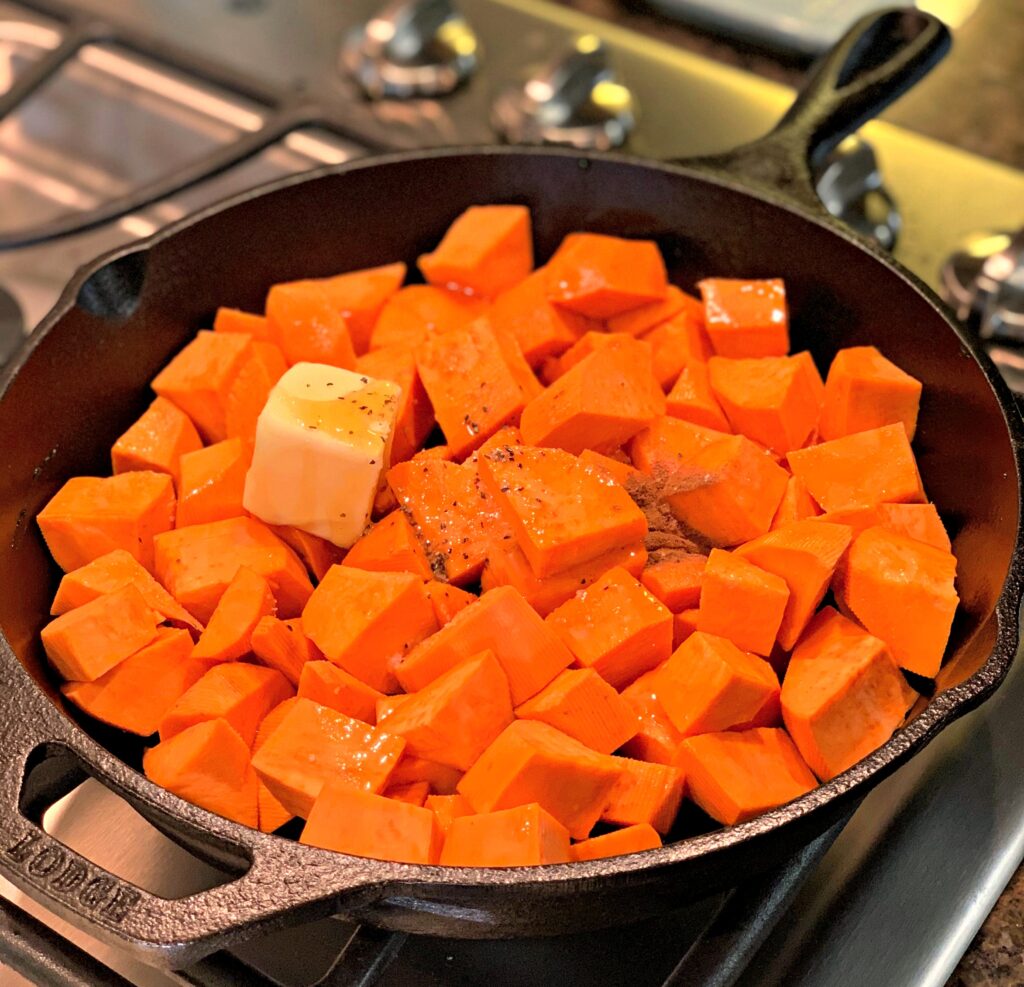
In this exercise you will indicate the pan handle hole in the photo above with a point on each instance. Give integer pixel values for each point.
(113, 292)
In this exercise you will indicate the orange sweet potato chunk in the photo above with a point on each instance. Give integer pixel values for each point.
(89, 517)
(136, 694)
(533, 762)
(656, 739)
(249, 392)
(864, 390)
(600, 403)
(736, 776)
(644, 318)
(87, 642)
(529, 651)
(240, 693)
(674, 346)
(676, 582)
(843, 695)
(367, 825)
(796, 504)
(585, 707)
(603, 276)
(366, 621)
(619, 470)
(197, 563)
(325, 683)
(198, 380)
(487, 250)
(307, 326)
(283, 645)
(741, 602)
(454, 719)
(746, 318)
(440, 778)
(709, 684)
(228, 635)
(212, 483)
(860, 470)
(523, 836)
(692, 399)
(415, 416)
(615, 627)
(415, 312)
(209, 766)
(235, 320)
(629, 839)
(112, 572)
(390, 545)
(901, 591)
(645, 793)
(343, 748)
(918, 521)
(562, 514)
(316, 553)
(446, 600)
(775, 401)
(156, 441)
(668, 446)
(448, 808)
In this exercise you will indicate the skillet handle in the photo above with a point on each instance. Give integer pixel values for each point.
(878, 59)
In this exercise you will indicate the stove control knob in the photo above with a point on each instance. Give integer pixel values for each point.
(411, 48)
(984, 284)
(575, 100)
(850, 186)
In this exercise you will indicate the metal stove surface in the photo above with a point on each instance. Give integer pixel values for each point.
(897, 897)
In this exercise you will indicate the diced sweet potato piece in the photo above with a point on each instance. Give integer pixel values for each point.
(804, 554)
(272, 721)
(630, 839)
(709, 684)
(88, 641)
(669, 445)
(523, 836)
(415, 793)
(446, 600)
(561, 513)
(327, 684)
(864, 390)
(197, 563)
(308, 327)
(410, 769)
(684, 624)
(735, 776)
(732, 492)
(796, 504)
(599, 404)
(209, 766)
(235, 320)
(860, 470)
(692, 399)
(612, 469)
(902, 591)
(674, 346)
(228, 634)
(540, 328)
(644, 318)
(415, 418)
(590, 342)
(487, 250)
(156, 441)
(470, 385)
(365, 621)
(390, 545)
(918, 521)
(416, 311)
(199, 379)
(313, 744)
(657, 739)
(212, 482)
(508, 566)
(645, 793)
(89, 517)
(456, 717)
(448, 808)
(272, 815)
(676, 583)
(350, 821)
(136, 694)
(239, 693)
(112, 572)
(533, 762)
(843, 695)
(316, 553)
(746, 318)
(773, 400)
(454, 516)
(585, 707)
(528, 651)
(359, 297)
(249, 392)
(615, 627)
(602, 276)
(741, 602)
(282, 644)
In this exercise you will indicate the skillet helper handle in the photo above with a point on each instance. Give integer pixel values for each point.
(878, 59)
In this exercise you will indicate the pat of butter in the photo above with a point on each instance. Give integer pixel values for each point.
(323, 441)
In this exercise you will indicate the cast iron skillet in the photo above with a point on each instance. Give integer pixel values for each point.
(82, 380)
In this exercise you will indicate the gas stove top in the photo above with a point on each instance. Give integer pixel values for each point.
(118, 116)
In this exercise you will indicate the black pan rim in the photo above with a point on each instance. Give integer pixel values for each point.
(945, 708)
